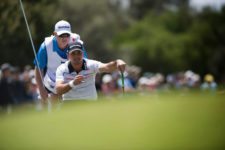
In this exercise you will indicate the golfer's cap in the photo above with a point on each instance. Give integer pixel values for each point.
(5, 66)
(77, 46)
(62, 27)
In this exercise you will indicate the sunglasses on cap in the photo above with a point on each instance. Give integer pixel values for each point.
(64, 35)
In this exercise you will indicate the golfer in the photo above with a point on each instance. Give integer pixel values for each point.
(75, 79)
(51, 54)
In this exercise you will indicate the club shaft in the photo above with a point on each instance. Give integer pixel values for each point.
(32, 43)
(122, 78)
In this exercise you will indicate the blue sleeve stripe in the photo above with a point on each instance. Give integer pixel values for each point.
(41, 57)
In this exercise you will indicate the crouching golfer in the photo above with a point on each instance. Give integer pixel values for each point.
(75, 79)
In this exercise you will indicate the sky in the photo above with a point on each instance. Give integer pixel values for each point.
(199, 4)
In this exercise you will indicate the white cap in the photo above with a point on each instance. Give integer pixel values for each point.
(62, 27)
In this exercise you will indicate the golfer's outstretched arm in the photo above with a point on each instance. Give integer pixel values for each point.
(112, 66)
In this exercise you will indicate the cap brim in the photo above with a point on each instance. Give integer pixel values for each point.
(75, 50)
(63, 32)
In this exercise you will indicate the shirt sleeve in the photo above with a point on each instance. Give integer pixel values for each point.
(59, 74)
(96, 65)
(41, 57)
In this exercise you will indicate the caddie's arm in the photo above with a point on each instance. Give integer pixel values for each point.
(112, 66)
(42, 90)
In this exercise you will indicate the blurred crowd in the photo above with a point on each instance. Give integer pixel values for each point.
(16, 86)
(19, 86)
(134, 81)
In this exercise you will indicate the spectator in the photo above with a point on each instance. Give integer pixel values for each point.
(18, 87)
(209, 83)
(6, 95)
(108, 85)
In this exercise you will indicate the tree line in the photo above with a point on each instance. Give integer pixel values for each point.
(148, 33)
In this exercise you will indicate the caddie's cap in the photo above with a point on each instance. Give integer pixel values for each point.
(62, 27)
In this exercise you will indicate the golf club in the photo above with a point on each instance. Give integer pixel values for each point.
(122, 78)
(34, 51)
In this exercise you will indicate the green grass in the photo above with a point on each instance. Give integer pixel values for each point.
(157, 121)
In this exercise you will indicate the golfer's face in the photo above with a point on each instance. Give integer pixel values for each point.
(63, 40)
(76, 57)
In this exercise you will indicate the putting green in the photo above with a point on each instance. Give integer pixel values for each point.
(173, 120)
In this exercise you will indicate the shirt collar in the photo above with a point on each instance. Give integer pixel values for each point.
(71, 69)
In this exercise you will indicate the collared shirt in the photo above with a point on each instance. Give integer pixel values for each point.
(86, 90)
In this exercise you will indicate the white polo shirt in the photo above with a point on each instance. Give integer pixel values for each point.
(85, 90)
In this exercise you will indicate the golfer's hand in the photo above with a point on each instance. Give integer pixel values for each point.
(78, 79)
(121, 65)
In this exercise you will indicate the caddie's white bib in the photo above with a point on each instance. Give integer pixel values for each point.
(53, 61)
